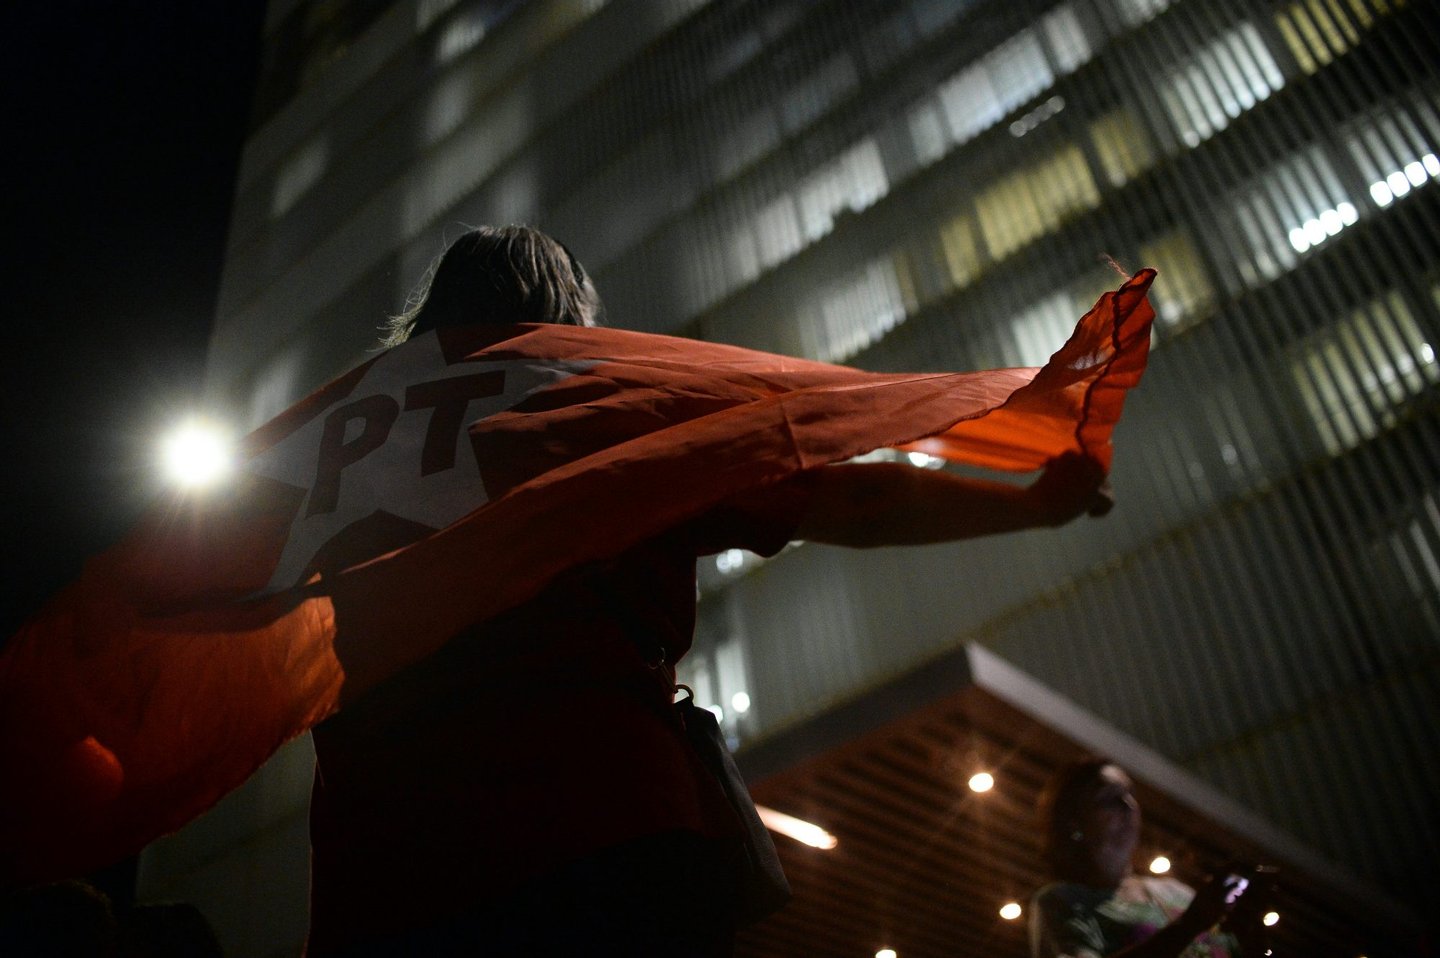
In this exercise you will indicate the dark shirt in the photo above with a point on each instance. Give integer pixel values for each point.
(535, 739)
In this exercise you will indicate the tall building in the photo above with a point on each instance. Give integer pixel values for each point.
(941, 184)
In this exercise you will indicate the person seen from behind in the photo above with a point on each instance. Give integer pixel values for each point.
(524, 791)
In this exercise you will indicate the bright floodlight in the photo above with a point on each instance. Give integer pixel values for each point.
(1271, 917)
(885, 953)
(196, 454)
(1010, 910)
(1160, 865)
(982, 782)
(740, 702)
(802, 831)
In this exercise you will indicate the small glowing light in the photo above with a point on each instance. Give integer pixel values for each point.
(1427, 353)
(731, 560)
(717, 711)
(1314, 232)
(1380, 193)
(1299, 240)
(791, 827)
(1010, 910)
(982, 782)
(1398, 182)
(885, 953)
(1331, 222)
(1348, 214)
(459, 37)
(1431, 163)
(1159, 865)
(740, 702)
(1415, 173)
(1271, 918)
(924, 460)
(196, 454)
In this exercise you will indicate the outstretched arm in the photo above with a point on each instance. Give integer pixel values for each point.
(884, 504)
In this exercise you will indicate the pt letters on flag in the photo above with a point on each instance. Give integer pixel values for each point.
(431, 488)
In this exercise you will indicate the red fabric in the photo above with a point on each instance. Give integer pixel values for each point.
(187, 654)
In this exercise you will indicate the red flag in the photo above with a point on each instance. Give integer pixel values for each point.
(435, 486)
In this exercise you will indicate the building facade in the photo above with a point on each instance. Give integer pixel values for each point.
(944, 184)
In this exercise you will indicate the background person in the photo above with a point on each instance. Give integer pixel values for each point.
(1099, 906)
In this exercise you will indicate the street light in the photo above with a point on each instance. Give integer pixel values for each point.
(196, 453)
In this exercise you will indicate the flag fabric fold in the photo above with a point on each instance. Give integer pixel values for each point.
(435, 486)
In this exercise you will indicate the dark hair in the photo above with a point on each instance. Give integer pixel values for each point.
(501, 275)
(1056, 809)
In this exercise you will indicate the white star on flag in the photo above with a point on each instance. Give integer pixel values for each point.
(367, 451)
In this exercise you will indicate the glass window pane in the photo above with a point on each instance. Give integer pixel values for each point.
(1122, 145)
(1218, 82)
(1183, 289)
(1354, 375)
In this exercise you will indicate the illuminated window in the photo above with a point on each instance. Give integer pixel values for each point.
(1317, 31)
(984, 93)
(1291, 208)
(922, 271)
(1394, 154)
(854, 313)
(1043, 327)
(969, 104)
(1220, 81)
(932, 266)
(959, 241)
(1417, 559)
(1183, 289)
(461, 35)
(300, 172)
(1018, 69)
(852, 181)
(742, 258)
(777, 231)
(1122, 145)
(979, 96)
(1024, 205)
(1136, 12)
(1354, 374)
(1066, 38)
(927, 132)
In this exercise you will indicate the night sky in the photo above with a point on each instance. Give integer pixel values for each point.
(123, 123)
